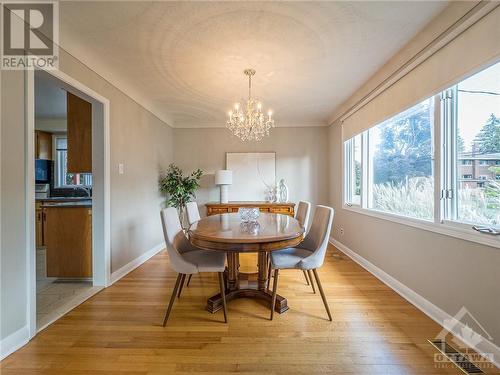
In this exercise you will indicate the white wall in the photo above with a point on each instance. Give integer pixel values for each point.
(300, 159)
(139, 140)
(144, 144)
(447, 271)
(13, 288)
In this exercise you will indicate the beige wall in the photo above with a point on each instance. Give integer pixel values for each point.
(13, 288)
(447, 271)
(300, 158)
(143, 143)
(139, 140)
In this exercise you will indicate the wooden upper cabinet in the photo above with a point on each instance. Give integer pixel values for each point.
(43, 145)
(79, 134)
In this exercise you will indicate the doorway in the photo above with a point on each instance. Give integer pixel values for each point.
(68, 205)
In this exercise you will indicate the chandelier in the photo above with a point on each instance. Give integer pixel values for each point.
(249, 122)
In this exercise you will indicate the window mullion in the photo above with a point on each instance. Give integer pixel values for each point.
(347, 171)
(438, 165)
(364, 170)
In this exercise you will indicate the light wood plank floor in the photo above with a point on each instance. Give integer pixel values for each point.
(119, 330)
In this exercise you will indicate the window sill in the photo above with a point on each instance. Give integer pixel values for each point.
(452, 230)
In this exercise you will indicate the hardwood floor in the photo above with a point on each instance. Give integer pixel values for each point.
(374, 331)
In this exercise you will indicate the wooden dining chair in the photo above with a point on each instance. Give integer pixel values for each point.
(309, 255)
(193, 215)
(187, 259)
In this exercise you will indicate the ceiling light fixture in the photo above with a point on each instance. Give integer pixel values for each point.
(249, 122)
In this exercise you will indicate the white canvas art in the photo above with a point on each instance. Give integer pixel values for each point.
(253, 174)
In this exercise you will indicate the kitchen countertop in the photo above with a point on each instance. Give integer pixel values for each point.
(63, 199)
(77, 203)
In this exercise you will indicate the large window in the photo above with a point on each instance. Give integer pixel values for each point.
(400, 158)
(353, 181)
(63, 178)
(476, 133)
(391, 168)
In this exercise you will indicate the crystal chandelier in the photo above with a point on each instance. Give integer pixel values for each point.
(249, 122)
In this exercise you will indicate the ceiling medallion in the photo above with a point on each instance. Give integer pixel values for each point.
(249, 122)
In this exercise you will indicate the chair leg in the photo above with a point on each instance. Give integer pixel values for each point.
(325, 302)
(189, 280)
(172, 299)
(305, 275)
(182, 284)
(311, 281)
(269, 274)
(275, 288)
(223, 293)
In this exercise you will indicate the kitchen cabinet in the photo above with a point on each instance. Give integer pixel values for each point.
(79, 118)
(43, 145)
(39, 227)
(68, 241)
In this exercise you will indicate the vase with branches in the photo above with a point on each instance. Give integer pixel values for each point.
(179, 189)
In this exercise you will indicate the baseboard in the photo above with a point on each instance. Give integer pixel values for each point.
(129, 267)
(14, 341)
(428, 308)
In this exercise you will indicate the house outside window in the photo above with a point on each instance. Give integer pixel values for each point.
(63, 178)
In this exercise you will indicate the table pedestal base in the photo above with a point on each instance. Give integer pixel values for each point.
(214, 303)
(246, 285)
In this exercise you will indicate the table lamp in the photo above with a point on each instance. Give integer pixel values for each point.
(223, 178)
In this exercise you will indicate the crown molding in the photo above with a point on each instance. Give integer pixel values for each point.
(222, 124)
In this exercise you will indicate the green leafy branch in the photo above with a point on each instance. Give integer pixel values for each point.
(178, 188)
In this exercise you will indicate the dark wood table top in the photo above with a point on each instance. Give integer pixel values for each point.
(227, 232)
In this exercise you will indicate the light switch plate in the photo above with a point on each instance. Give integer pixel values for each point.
(121, 168)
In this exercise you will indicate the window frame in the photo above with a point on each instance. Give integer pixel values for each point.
(348, 161)
(57, 183)
(445, 179)
(367, 171)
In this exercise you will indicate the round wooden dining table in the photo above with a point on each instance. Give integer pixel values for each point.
(228, 233)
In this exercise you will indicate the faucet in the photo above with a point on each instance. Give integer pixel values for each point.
(86, 189)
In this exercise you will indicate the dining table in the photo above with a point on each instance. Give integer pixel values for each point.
(228, 233)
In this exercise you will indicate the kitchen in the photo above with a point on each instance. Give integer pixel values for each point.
(63, 199)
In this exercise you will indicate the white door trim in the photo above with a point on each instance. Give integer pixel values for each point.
(101, 245)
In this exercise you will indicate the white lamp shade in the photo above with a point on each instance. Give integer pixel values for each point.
(223, 177)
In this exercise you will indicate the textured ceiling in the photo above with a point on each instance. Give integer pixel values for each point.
(50, 98)
(184, 60)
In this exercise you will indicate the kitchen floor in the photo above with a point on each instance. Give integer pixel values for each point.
(55, 297)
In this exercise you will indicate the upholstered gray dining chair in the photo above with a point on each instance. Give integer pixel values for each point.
(302, 216)
(193, 214)
(308, 255)
(187, 259)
